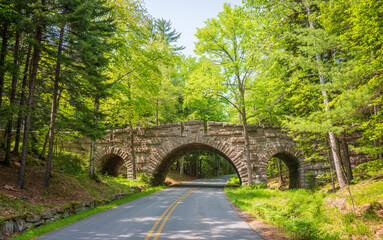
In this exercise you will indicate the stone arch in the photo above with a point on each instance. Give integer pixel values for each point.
(165, 156)
(292, 158)
(110, 160)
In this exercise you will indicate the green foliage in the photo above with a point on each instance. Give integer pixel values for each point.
(298, 212)
(69, 163)
(368, 170)
(233, 181)
(141, 177)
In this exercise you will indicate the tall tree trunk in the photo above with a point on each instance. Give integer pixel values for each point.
(280, 170)
(182, 165)
(22, 101)
(92, 173)
(157, 112)
(217, 162)
(44, 146)
(346, 160)
(332, 137)
(54, 107)
(247, 146)
(132, 152)
(15, 74)
(272, 174)
(28, 120)
(331, 172)
(3, 54)
(239, 113)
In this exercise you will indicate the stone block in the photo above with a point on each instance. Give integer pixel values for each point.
(33, 219)
(49, 214)
(7, 228)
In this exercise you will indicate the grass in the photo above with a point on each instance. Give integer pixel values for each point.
(33, 233)
(304, 214)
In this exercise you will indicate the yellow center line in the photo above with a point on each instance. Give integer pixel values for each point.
(169, 210)
(160, 218)
(168, 215)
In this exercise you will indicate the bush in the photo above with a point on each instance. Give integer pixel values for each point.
(233, 181)
(144, 178)
(69, 163)
(368, 170)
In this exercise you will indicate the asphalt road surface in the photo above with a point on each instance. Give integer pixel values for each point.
(194, 210)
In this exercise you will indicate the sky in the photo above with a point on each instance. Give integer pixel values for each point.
(186, 16)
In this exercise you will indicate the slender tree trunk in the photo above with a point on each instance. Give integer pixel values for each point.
(44, 146)
(280, 171)
(28, 120)
(332, 137)
(132, 152)
(157, 112)
(247, 146)
(182, 165)
(51, 137)
(92, 171)
(15, 74)
(346, 160)
(272, 174)
(22, 102)
(3, 54)
(217, 162)
(331, 172)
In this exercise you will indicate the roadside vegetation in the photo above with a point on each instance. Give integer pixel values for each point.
(35, 232)
(66, 189)
(320, 213)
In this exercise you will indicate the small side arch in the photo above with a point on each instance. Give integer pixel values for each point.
(292, 158)
(111, 159)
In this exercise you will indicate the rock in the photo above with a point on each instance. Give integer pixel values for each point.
(248, 194)
(60, 210)
(24, 198)
(36, 224)
(370, 208)
(9, 187)
(273, 196)
(342, 204)
(20, 225)
(7, 228)
(34, 219)
(49, 214)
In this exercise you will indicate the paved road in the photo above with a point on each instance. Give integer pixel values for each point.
(194, 210)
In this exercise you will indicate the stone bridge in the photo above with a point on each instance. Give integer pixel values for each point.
(156, 148)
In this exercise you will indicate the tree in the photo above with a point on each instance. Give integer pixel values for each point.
(309, 53)
(223, 41)
(32, 84)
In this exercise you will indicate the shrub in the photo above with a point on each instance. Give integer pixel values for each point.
(233, 181)
(69, 163)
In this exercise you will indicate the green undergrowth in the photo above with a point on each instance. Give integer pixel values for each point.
(63, 190)
(35, 232)
(305, 214)
(233, 181)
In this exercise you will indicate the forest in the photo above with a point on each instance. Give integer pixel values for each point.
(312, 67)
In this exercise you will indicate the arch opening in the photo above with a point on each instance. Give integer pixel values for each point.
(285, 167)
(111, 164)
(165, 164)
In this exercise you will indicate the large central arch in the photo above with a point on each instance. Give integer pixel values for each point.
(163, 167)
(162, 158)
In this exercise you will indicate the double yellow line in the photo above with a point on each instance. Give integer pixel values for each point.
(167, 212)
